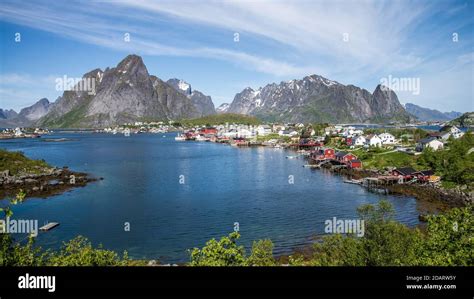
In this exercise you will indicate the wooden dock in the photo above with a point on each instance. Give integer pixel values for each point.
(49, 226)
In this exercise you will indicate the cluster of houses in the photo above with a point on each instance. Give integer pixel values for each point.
(138, 127)
(355, 137)
(23, 133)
(436, 140)
(240, 132)
(327, 154)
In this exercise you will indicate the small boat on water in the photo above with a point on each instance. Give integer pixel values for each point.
(311, 166)
(291, 157)
(180, 137)
(357, 182)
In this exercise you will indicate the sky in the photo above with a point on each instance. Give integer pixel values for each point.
(222, 47)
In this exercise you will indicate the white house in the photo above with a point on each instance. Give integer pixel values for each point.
(359, 141)
(373, 140)
(387, 138)
(430, 142)
(453, 130)
(18, 132)
(244, 133)
(264, 130)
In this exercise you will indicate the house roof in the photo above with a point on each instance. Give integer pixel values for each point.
(341, 154)
(405, 170)
(426, 172)
(427, 140)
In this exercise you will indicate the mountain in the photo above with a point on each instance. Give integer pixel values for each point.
(426, 114)
(223, 108)
(317, 99)
(201, 102)
(125, 93)
(27, 116)
(7, 114)
(36, 111)
(465, 120)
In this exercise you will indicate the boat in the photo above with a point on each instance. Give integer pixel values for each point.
(291, 157)
(180, 137)
(353, 181)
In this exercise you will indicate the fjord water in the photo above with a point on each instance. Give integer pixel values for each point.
(222, 185)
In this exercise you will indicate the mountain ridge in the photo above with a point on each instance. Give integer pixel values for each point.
(318, 99)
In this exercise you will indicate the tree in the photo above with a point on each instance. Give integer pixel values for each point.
(262, 254)
(449, 239)
(225, 252)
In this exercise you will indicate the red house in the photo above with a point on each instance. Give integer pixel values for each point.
(323, 154)
(349, 141)
(345, 157)
(405, 172)
(208, 131)
(424, 175)
(354, 163)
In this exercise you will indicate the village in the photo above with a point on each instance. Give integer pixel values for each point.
(341, 147)
(23, 133)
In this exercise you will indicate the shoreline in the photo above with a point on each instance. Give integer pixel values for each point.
(44, 185)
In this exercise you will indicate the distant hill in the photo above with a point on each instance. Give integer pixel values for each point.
(220, 119)
(426, 114)
(465, 120)
(27, 116)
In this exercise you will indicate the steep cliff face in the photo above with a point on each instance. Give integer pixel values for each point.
(126, 93)
(201, 102)
(223, 108)
(315, 98)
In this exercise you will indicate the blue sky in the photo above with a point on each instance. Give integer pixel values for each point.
(352, 42)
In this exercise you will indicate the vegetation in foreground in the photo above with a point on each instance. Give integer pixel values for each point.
(448, 241)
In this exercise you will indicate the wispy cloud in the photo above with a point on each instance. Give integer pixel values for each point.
(350, 41)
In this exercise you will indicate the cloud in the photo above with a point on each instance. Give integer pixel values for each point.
(284, 39)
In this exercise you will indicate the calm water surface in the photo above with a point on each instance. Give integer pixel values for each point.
(222, 185)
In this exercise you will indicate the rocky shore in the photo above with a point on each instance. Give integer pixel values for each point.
(431, 194)
(49, 182)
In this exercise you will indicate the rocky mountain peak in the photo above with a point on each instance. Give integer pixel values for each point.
(181, 86)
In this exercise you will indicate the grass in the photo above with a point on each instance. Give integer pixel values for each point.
(380, 160)
(220, 119)
(17, 163)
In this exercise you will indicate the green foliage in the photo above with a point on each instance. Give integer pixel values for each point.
(18, 163)
(220, 119)
(262, 254)
(225, 252)
(337, 250)
(15, 254)
(449, 239)
(454, 164)
(79, 252)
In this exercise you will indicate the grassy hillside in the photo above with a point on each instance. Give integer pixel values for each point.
(465, 120)
(219, 119)
(17, 163)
